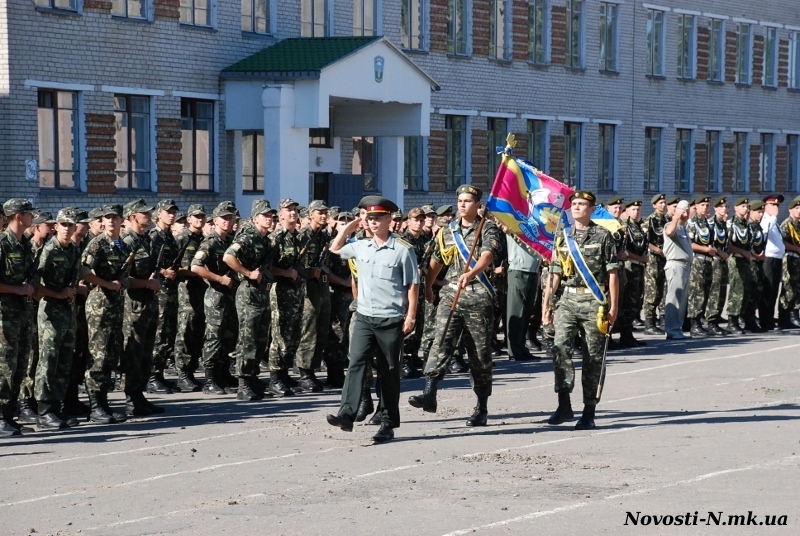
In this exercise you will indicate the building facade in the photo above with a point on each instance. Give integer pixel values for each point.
(103, 100)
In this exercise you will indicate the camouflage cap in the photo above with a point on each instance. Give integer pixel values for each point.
(702, 198)
(96, 213)
(287, 202)
(43, 217)
(658, 197)
(756, 206)
(196, 210)
(166, 204)
(81, 215)
(334, 211)
(226, 208)
(68, 215)
(345, 216)
(136, 206)
(18, 205)
(317, 204)
(469, 189)
(415, 213)
(180, 217)
(428, 209)
(302, 212)
(444, 210)
(261, 206)
(111, 210)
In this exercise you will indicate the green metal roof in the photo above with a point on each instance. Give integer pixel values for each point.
(299, 56)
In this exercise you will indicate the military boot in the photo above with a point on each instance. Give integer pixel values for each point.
(227, 381)
(733, 325)
(192, 379)
(365, 406)
(409, 370)
(335, 378)
(98, 413)
(258, 385)
(650, 328)
(586, 422)
(751, 324)
(794, 318)
(277, 387)
(564, 409)
(155, 410)
(184, 384)
(427, 400)
(156, 385)
(211, 387)
(26, 413)
(480, 414)
(71, 421)
(716, 331)
(309, 382)
(135, 408)
(246, 393)
(627, 340)
(697, 330)
(7, 424)
(48, 419)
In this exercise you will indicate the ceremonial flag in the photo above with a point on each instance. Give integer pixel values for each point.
(603, 217)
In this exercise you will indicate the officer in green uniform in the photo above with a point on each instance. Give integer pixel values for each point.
(702, 236)
(740, 243)
(388, 280)
(719, 265)
(577, 309)
(635, 262)
(473, 313)
(654, 274)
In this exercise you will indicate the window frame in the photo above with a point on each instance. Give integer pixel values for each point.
(454, 44)
(212, 146)
(126, 13)
(658, 154)
(376, 19)
(192, 7)
(575, 180)
(77, 146)
(607, 65)
(492, 133)
(716, 51)
(373, 175)
(451, 180)
(253, 29)
(684, 168)
(407, 25)
(793, 71)
(312, 24)
(494, 39)
(545, 146)
(75, 5)
(744, 54)
(607, 159)
(793, 162)
(741, 163)
(131, 171)
(419, 177)
(258, 153)
(686, 56)
(771, 48)
(543, 7)
(714, 160)
(575, 55)
(766, 162)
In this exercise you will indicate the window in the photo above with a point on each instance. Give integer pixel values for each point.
(498, 48)
(537, 38)
(195, 12)
(320, 138)
(575, 33)
(740, 162)
(58, 139)
(313, 18)
(71, 5)
(573, 153)
(255, 16)
(716, 50)
(714, 161)
(794, 60)
(608, 36)
(413, 163)
(253, 161)
(133, 9)
(457, 27)
(365, 161)
(771, 57)
(766, 163)
(686, 46)
(364, 17)
(683, 160)
(743, 53)
(537, 144)
(456, 139)
(497, 130)
(652, 159)
(655, 43)
(606, 153)
(132, 141)
(197, 149)
(412, 29)
(793, 163)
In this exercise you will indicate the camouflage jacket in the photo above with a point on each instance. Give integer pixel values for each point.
(159, 238)
(699, 230)
(209, 254)
(144, 262)
(312, 244)
(598, 249)
(252, 250)
(191, 242)
(490, 240)
(635, 237)
(58, 266)
(740, 233)
(105, 258)
(287, 248)
(653, 227)
(422, 246)
(17, 259)
(759, 243)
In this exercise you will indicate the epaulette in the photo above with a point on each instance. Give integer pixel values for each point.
(400, 240)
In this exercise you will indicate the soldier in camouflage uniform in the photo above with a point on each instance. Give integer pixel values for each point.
(654, 274)
(740, 242)
(56, 278)
(474, 310)
(340, 279)
(250, 256)
(16, 264)
(286, 299)
(755, 303)
(165, 251)
(423, 245)
(103, 267)
(635, 262)
(314, 240)
(789, 300)
(577, 309)
(702, 236)
(219, 302)
(141, 310)
(719, 265)
(191, 292)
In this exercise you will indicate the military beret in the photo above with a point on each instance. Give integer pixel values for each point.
(741, 201)
(43, 217)
(166, 204)
(81, 215)
(135, 207)
(196, 210)
(757, 205)
(773, 198)
(586, 195)
(261, 206)
(795, 202)
(635, 203)
(180, 217)
(721, 201)
(415, 213)
(444, 210)
(287, 202)
(17, 205)
(226, 208)
(375, 204)
(469, 189)
(674, 200)
(658, 197)
(428, 209)
(317, 204)
(113, 209)
(612, 201)
(692, 203)
(702, 199)
(67, 215)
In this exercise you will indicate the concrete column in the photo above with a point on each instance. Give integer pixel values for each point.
(390, 168)
(285, 148)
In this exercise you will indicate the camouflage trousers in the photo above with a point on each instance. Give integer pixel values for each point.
(56, 320)
(339, 340)
(699, 287)
(80, 355)
(286, 302)
(104, 311)
(413, 341)
(314, 326)
(576, 313)
(191, 325)
(718, 290)
(29, 379)
(741, 294)
(429, 328)
(15, 340)
(167, 325)
(222, 326)
(630, 295)
(252, 306)
(655, 284)
(473, 318)
(139, 325)
(790, 283)
(756, 293)
(500, 284)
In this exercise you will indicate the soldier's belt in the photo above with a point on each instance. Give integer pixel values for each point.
(704, 258)
(792, 254)
(471, 286)
(637, 263)
(738, 255)
(581, 290)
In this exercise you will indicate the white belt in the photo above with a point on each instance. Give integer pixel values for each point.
(639, 263)
(703, 258)
(792, 254)
(581, 290)
(738, 255)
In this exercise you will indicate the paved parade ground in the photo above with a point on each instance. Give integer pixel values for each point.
(683, 428)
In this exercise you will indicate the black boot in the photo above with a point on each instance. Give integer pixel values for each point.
(156, 385)
(246, 393)
(697, 330)
(134, 406)
(101, 413)
(365, 406)
(564, 409)
(650, 328)
(715, 330)
(73, 406)
(342, 420)
(48, 419)
(276, 386)
(309, 382)
(457, 364)
(794, 318)
(26, 413)
(479, 416)
(733, 325)
(8, 428)
(409, 370)
(751, 324)
(627, 340)
(258, 385)
(184, 384)
(155, 410)
(427, 400)
(58, 409)
(586, 422)
(227, 381)
(212, 387)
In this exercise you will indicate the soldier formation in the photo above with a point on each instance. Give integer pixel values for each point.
(113, 298)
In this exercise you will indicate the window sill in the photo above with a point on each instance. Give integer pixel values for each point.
(742, 85)
(252, 192)
(452, 56)
(419, 51)
(58, 11)
(260, 36)
(57, 192)
(196, 28)
(715, 82)
(655, 76)
(793, 89)
(575, 69)
(537, 65)
(135, 20)
(501, 61)
(770, 88)
(606, 72)
(684, 79)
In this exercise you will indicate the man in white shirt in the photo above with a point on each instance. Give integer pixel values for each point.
(774, 253)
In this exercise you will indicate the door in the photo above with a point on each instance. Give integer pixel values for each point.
(345, 191)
